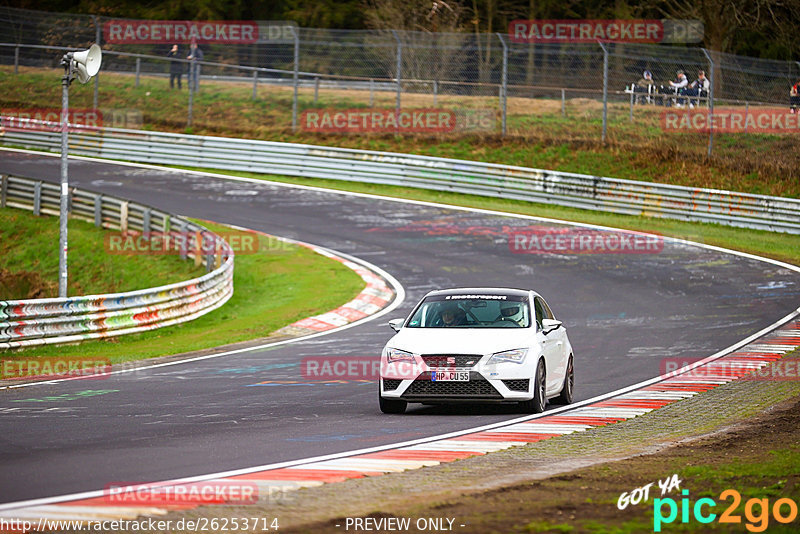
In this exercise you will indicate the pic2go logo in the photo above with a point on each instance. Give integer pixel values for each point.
(756, 511)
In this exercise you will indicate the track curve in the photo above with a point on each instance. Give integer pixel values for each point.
(626, 313)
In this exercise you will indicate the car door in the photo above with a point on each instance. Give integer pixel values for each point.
(554, 347)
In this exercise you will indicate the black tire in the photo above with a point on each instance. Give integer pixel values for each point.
(539, 400)
(565, 397)
(391, 405)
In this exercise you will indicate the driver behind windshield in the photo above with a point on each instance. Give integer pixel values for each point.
(452, 315)
(511, 311)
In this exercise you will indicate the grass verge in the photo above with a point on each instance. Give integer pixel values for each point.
(784, 247)
(274, 287)
(29, 260)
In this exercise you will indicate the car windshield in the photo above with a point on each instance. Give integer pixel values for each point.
(472, 311)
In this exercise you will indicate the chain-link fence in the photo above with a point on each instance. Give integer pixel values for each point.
(517, 87)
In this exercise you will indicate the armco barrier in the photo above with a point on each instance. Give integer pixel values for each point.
(442, 174)
(25, 323)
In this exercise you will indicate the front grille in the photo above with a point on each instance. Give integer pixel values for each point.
(390, 384)
(477, 387)
(520, 384)
(451, 360)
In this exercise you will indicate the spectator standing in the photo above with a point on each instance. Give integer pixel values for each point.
(195, 55)
(794, 98)
(175, 67)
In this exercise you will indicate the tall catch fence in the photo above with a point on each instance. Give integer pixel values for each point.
(516, 85)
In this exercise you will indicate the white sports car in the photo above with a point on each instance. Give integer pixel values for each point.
(477, 345)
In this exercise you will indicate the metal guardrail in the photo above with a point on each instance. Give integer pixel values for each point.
(31, 322)
(442, 174)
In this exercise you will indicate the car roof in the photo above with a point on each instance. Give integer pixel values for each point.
(482, 291)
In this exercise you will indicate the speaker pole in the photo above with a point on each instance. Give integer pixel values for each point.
(64, 207)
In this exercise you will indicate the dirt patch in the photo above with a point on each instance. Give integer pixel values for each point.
(25, 285)
(757, 458)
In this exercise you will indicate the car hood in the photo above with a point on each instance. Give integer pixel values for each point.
(462, 340)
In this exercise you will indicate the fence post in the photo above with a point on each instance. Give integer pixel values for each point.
(16, 60)
(711, 102)
(631, 104)
(371, 92)
(746, 114)
(255, 83)
(97, 39)
(138, 69)
(3, 190)
(504, 82)
(605, 90)
(191, 95)
(316, 88)
(435, 91)
(398, 70)
(295, 76)
(563, 102)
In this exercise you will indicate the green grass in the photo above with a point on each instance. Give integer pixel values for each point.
(780, 246)
(538, 134)
(29, 260)
(273, 288)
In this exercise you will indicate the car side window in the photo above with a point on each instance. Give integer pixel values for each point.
(537, 305)
(548, 314)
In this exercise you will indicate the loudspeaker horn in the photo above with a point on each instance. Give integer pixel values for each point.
(87, 63)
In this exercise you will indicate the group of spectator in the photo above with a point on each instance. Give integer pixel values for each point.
(680, 86)
(178, 68)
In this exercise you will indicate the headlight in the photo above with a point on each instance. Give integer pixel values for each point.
(513, 356)
(397, 355)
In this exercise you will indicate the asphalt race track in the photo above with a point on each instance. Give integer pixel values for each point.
(626, 313)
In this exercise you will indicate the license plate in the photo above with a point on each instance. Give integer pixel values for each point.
(450, 376)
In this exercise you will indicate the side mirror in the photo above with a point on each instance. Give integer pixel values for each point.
(548, 325)
(396, 324)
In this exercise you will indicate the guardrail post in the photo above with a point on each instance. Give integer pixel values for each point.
(138, 70)
(16, 60)
(435, 91)
(37, 198)
(123, 217)
(255, 84)
(146, 223)
(710, 102)
(504, 82)
(3, 190)
(605, 89)
(183, 237)
(316, 89)
(98, 210)
(398, 72)
(563, 103)
(295, 76)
